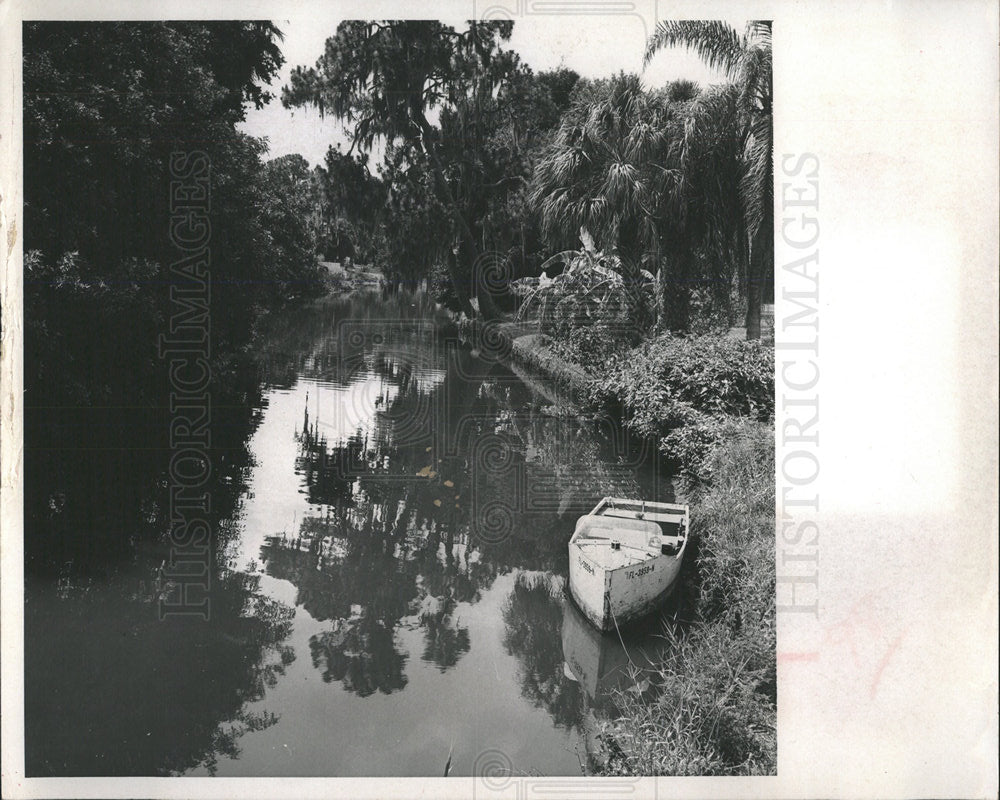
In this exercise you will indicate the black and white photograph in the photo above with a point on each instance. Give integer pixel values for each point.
(438, 396)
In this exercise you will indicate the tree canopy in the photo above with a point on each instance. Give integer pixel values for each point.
(385, 78)
(105, 107)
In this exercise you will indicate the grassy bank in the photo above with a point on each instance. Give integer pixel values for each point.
(712, 708)
(708, 403)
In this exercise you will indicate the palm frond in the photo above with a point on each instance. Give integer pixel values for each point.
(755, 186)
(719, 45)
(759, 30)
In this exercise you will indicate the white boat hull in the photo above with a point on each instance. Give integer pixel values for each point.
(607, 597)
(614, 597)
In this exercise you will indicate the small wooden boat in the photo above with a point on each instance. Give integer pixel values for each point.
(624, 559)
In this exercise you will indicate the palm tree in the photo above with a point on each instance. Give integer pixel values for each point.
(655, 177)
(706, 234)
(604, 172)
(745, 59)
(588, 177)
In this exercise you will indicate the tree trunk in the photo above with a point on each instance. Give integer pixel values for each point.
(760, 284)
(487, 306)
(760, 281)
(675, 291)
(453, 275)
(523, 269)
(753, 306)
(630, 251)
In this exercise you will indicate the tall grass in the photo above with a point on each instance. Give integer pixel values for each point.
(714, 710)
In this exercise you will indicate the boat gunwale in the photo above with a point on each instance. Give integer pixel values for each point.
(585, 556)
(681, 510)
(609, 503)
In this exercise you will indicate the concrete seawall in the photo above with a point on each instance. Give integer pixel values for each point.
(528, 355)
(531, 353)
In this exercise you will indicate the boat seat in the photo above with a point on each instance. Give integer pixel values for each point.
(600, 527)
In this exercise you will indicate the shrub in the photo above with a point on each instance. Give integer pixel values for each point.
(714, 374)
(589, 311)
(689, 444)
(680, 390)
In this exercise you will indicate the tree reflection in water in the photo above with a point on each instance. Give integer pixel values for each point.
(113, 690)
(533, 615)
(400, 536)
(110, 689)
(360, 654)
(395, 538)
(445, 638)
(368, 581)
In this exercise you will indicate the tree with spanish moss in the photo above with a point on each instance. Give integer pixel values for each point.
(387, 79)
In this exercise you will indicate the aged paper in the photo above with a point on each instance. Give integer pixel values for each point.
(886, 241)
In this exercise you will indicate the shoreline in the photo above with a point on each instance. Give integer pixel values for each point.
(733, 554)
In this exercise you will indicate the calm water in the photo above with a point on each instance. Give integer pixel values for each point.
(390, 515)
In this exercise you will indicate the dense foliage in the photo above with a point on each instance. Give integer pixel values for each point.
(385, 78)
(680, 391)
(489, 168)
(349, 208)
(746, 61)
(105, 105)
(588, 311)
(462, 121)
(613, 170)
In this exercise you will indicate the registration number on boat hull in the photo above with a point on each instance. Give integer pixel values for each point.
(638, 572)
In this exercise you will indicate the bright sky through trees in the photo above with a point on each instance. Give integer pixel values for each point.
(594, 46)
